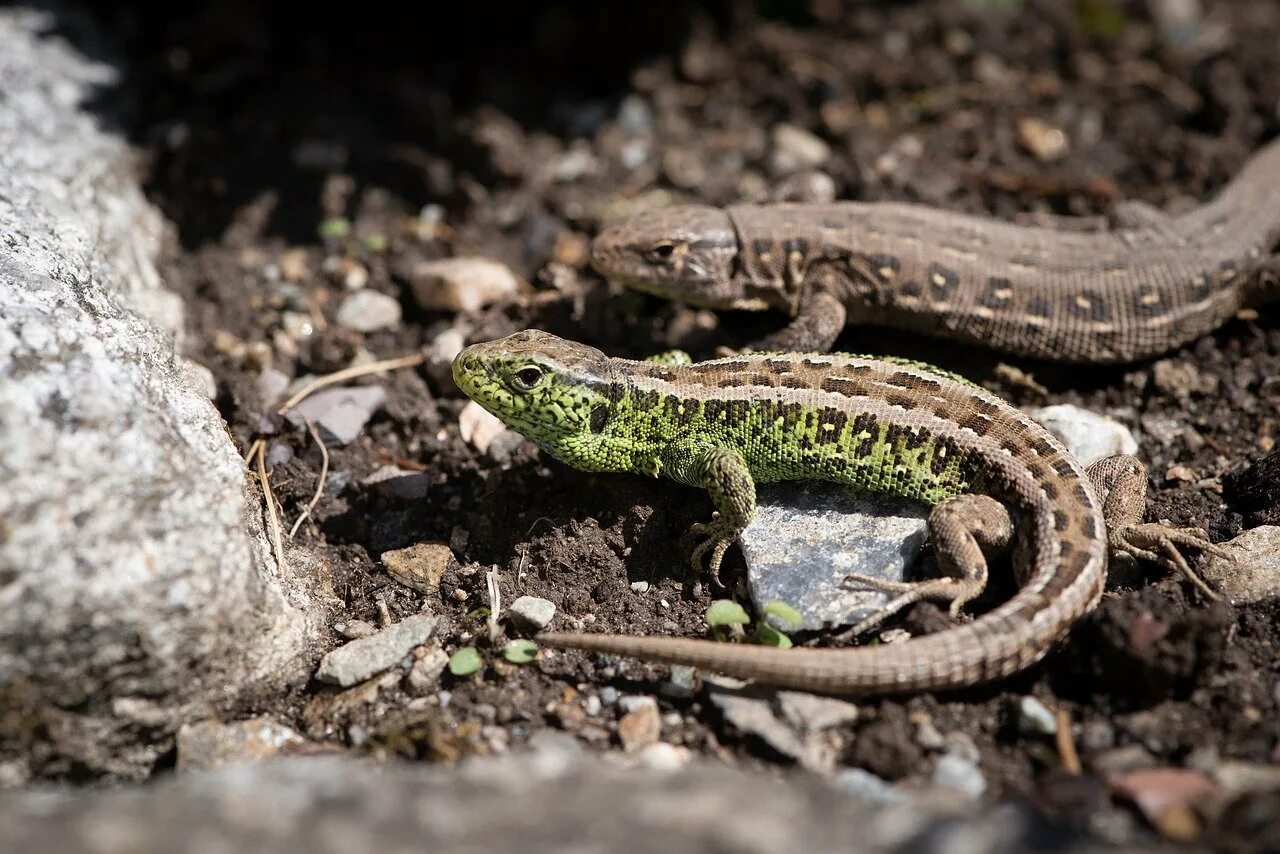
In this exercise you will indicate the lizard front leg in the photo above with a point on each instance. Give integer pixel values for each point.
(813, 330)
(1121, 482)
(964, 531)
(724, 475)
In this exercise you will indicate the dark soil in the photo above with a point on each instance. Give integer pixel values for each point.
(260, 124)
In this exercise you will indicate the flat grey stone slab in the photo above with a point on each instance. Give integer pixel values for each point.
(807, 537)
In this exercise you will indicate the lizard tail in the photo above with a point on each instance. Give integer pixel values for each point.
(917, 665)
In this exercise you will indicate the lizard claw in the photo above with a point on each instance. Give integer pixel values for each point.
(1158, 543)
(716, 537)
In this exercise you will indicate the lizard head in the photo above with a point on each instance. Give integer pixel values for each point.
(687, 253)
(554, 392)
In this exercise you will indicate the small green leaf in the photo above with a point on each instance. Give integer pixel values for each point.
(478, 613)
(377, 242)
(465, 661)
(520, 651)
(335, 228)
(784, 612)
(726, 612)
(767, 635)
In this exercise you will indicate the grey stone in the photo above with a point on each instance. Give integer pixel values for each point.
(400, 484)
(445, 347)
(868, 788)
(531, 614)
(1035, 717)
(795, 148)
(369, 311)
(1254, 575)
(960, 774)
(272, 385)
(208, 744)
(810, 712)
(340, 413)
(424, 676)
(751, 713)
(358, 660)
(133, 563)
(567, 801)
(807, 537)
(1087, 435)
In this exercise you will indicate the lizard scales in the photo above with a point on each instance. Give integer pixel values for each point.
(1152, 283)
(887, 426)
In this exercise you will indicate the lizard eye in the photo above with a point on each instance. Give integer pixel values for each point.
(663, 251)
(526, 378)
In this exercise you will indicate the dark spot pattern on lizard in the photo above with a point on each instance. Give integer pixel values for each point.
(942, 281)
(1088, 305)
(998, 294)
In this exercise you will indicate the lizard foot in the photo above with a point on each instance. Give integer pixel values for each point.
(956, 591)
(1157, 543)
(715, 538)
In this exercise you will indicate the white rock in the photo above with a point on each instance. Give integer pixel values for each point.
(479, 427)
(1035, 717)
(531, 614)
(340, 413)
(356, 661)
(464, 284)
(1087, 435)
(369, 311)
(795, 149)
(424, 676)
(131, 563)
(961, 775)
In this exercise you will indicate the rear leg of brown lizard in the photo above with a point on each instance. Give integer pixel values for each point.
(964, 530)
(1121, 483)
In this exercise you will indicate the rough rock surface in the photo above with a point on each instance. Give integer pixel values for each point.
(130, 591)
(806, 538)
(553, 799)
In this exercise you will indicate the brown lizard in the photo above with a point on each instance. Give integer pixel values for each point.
(994, 477)
(1150, 284)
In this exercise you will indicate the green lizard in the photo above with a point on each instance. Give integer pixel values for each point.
(892, 427)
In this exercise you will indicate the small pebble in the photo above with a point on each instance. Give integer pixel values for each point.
(369, 311)
(608, 695)
(1035, 717)
(424, 675)
(355, 629)
(272, 385)
(795, 148)
(640, 728)
(680, 682)
(961, 775)
(869, 788)
(592, 705)
(1087, 435)
(462, 284)
(358, 660)
(531, 614)
(664, 757)
(420, 566)
(628, 703)
(478, 427)
(640, 587)
(1042, 139)
(341, 413)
